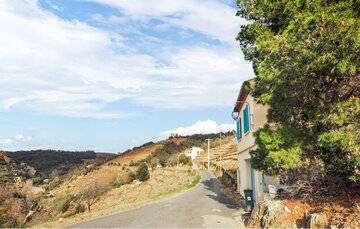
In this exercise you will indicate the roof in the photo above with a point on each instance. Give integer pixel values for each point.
(243, 93)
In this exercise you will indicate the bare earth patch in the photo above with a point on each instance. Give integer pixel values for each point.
(162, 183)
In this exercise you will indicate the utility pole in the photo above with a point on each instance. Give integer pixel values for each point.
(221, 162)
(208, 153)
(220, 156)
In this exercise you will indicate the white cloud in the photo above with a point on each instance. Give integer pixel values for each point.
(210, 17)
(200, 127)
(198, 77)
(19, 138)
(68, 68)
(63, 67)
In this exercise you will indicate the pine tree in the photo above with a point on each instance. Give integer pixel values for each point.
(306, 57)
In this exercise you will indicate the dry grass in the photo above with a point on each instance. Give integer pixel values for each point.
(227, 148)
(162, 183)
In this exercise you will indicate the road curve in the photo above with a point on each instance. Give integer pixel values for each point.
(202, 207)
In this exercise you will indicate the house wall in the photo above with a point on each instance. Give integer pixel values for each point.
(258, 118)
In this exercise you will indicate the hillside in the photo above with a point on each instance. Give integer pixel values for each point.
(56, 184)
(40, 165)
(123, 166)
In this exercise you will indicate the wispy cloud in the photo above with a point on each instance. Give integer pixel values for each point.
(211, 17)
(63, 67)
(19, 138)
(69, 68)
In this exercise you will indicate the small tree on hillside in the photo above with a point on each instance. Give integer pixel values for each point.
(92, 193)
(143, 174)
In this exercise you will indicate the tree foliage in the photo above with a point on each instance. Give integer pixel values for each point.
(185, 160)
(306, 57)
(142, 173)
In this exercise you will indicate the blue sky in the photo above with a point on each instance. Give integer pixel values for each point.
(108, 75)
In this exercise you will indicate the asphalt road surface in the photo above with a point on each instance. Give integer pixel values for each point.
(202, 206)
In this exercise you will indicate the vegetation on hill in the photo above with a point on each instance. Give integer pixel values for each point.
(45, 161)
(142, 173)
(165, 155)
(137, 147)
(53, 163)
(306, 59)
(26, 177)
(48, 184)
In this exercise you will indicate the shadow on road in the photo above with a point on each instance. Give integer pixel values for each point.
(214, 185)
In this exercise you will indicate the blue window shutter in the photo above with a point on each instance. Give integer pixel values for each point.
(246, 119)
(238, 129)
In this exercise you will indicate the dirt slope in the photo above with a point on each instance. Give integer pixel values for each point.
(143, 152)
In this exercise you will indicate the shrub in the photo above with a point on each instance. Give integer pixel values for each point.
(117, 183)
(65, 203)
(142, 174)
(18, 195)
(38, 181)
(80, 208)
(185, 160)
(53, 184)
(132, 176)
(92, 193)
(163, 162)
(194, 182)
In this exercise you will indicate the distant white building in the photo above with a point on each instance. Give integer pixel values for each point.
(195, 151)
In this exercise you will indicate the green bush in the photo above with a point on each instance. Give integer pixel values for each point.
(65, 204)
(185, 160)
(117, 183)
(143, 174)
(53, 184)
(194, 182)
(80, 208)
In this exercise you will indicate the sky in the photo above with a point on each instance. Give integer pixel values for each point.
(108, 75)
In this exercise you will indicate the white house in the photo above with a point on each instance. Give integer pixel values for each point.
(249, 116)
(194, 152)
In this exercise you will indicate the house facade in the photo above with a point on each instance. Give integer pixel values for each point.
(194, 152)
(250, 116)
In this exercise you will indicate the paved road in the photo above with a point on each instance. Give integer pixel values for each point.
(202, 206)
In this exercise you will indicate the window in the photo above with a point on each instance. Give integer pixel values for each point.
(246, 119)
(238, 129)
